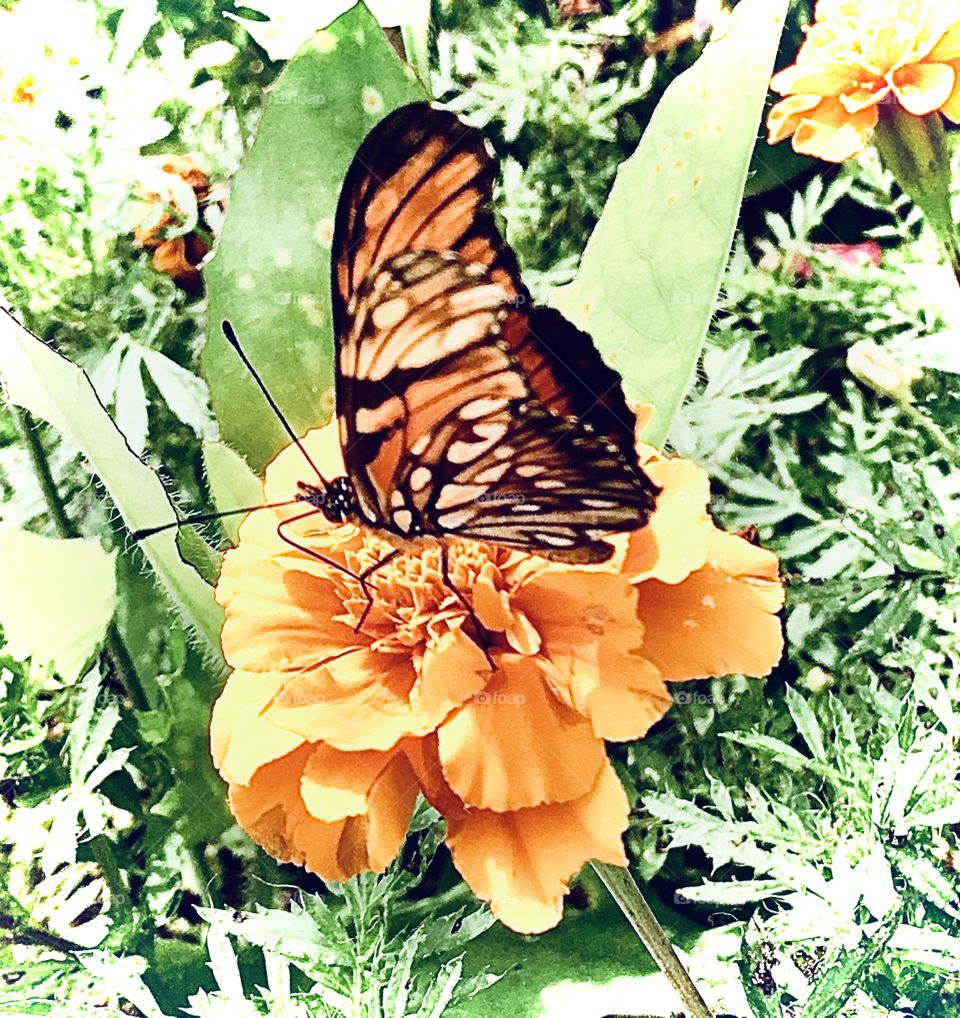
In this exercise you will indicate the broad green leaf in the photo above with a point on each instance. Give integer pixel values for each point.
(271, 274)
(591, 964)
(232, 483)
(651, 272)
(58, 601)
(52, 388)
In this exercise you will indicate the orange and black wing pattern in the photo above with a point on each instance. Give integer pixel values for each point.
(464, 410)
(443, 435)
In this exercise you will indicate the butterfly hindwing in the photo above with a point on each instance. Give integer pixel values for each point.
(443, 433)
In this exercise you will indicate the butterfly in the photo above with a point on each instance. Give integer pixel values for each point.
(464, 410)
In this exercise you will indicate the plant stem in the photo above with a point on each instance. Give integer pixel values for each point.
(627, 895)
(206, 878)
(115, 649)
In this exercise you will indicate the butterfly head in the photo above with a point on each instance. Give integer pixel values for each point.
(336, 499)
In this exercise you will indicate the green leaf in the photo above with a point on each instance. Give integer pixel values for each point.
(271, 274)
(52, 388)
(58, 611)
(840, 981)
(650, 275)
(233, 484)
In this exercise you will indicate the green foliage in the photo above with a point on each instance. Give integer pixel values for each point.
(649, 298)
(271, 281)
(45, 619)
(53, 389)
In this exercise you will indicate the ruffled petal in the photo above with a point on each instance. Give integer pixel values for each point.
(516, 745)
(278, 618)
(951, 107)
(367, 699)
(829, 132)
(492, 604)
(721, 620)
(242, 738)
(923, 88)
(784, 118)
(948, 48)
(592, 650)
(674, 543)
(826, 78)
(521, 863)
(272, 810)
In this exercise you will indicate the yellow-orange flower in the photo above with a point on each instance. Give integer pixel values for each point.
(327, 733)
(857, 55)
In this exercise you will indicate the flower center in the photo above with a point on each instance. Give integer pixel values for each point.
(411, 591)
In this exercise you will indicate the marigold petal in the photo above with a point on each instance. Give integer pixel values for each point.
(521, 862)
(290, 466)
(821, 77)
(721, 620)
(490, 602)
(453, 669)
(516, 745)
(784, 118)
(354, 702)
(923, 88)
(367, 699)
(337, 785)
(830, 133)
(493, 609)
(951, 108)
(273, 813)
(592, 642)
(278, 618)
(242, 739)
(623, 700)
(674, 543)
(854, 102)
(948, 48)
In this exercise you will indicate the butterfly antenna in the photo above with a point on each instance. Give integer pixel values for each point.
(139, 535)
(231, 338)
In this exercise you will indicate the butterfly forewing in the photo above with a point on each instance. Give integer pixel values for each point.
(423, 180)
(443, 433)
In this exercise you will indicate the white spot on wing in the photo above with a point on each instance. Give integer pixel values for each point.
(420, 478)
(458, 494)
(451, 521)
(477, 408)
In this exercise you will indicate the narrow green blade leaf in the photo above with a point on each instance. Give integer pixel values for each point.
(52, 388)
(271, 274)
(232, 483)
(651, 272)
(59, 601)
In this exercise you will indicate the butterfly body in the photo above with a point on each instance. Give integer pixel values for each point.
(464, 411)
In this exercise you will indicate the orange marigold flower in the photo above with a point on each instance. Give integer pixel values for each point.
(179, 256)
(857, 55)
(326, 733)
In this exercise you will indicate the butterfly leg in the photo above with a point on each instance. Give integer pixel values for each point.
(450, 585)
(283, 524)
(365, 587)
(361, 577)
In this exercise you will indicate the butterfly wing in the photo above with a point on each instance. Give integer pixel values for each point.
(443, 434)
(423, 180)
